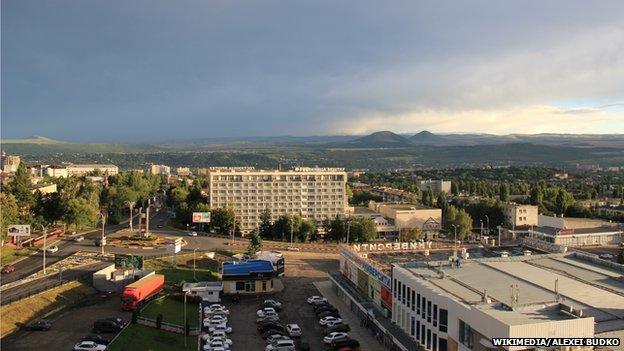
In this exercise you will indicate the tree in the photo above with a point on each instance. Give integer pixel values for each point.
(454, 188)
(337, 229)
(441, 202)
(20, 188)
(562, 201)
(306, 230)
(224, 219)
(255, 243)
(460, 219)
(537, 196)
(9, 212)
(361, 229)
(80, 213)
(411, 234)
(504, 192)
(266, 227)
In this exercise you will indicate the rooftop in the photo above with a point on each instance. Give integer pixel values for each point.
(247, 267)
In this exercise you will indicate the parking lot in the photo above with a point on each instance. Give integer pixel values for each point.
(69, 327)
(612, 250)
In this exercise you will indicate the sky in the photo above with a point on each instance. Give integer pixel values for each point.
(134, 70)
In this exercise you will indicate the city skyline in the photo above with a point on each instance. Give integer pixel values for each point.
(141, 71)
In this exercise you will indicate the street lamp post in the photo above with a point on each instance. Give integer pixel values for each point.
(194, 250)
(455, 241)
(45, 236)
(481, 231)
(103, 214)
(185, 321)
(131, 204)
(291, 232)
(487, 218)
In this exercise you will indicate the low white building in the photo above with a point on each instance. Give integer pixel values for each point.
(208, 291)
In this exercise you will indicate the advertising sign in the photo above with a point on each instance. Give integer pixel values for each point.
(19, 230)
(174, 248)
(128, 261)
(201, 217)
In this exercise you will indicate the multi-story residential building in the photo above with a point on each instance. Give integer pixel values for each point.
(183, 171)
(57, 171)
(314, 193)
(388, 194)
(517, 215)
(408, 216)
(82, 169)
(435, 185)
(10, 163)
(160, 169)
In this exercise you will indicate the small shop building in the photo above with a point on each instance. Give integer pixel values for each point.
(248, 277)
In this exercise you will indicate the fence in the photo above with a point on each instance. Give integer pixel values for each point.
(30, 292)
(170, 327)
(597, 260)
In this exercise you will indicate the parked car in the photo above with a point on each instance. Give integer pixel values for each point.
(215, 334)
(106, 326)
(328, 314)
(606, 256)
(329, 319)
(265, 311)
(293, 330)
(272, 318)
(8, 269)
(316, 298)
(324, 308)
(281, 345)
(270, 332)
(348, 343)
(52, 249)
(216, 319)
(214, 345)
(89, 346)
(264, 326)
(117, 320)
(335, 336)
(342, 327)
(79, 238)
(98, 339)
(209, 323)
(333, 322)
(275, 337)
(222, 339)
(216, 309)
(272, 303)
(159, 226)
(221, 327)
(293, 248)
(304, 345)
(192, 233)
(42, 324)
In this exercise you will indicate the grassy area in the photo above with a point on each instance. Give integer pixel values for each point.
(138, 337)
(24, 311)
(172, 311)
(183, 271)
(10, 254)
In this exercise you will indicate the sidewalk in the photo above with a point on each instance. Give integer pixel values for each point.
(364, 336)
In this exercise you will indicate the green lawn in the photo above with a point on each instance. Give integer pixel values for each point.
(138, 337)
(175, 275)
(172, 311)
(10, 254)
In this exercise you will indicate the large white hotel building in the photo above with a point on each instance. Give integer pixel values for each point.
(313, 193)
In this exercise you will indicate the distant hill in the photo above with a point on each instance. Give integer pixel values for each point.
(33, 140)
(427, 138)
(384, 139)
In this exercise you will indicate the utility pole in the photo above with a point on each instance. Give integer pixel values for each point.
(291, 231)
(45, 248)
(481, 232)
(455, 241)
(102, 242)
(348, 230)
(185, 321)
(488, 224)
(131, 204)
(195, 249)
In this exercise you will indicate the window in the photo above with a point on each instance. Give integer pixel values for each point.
(409, 293)
(443, 320)
(240, 286)
(418, 330)
(264, 285)
(413, 300)
(435, 315)
(250, 285)
(424, 309)
(422, 334)
(441, 344)
(403, 294)
(434, 340)
(399, 292)
(394, 287)
(429, 311)
(418, 304)
(413, 326)
(429, 339)
(465, 334)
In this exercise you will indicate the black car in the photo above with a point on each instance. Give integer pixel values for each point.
(322, 304)
(328, 314)
(350, 343)
(96, 339)
(270, 325)
(106, 326)
(265, 305)
(304, 345)
(326, 309)
(343, 328)
(117, 320)
(42, 324)
(270, 332)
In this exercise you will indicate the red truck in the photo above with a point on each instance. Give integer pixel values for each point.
(142, 290)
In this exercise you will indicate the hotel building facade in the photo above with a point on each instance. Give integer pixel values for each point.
(313, 193)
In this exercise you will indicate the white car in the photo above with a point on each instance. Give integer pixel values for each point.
(293, 330)
(224, 340)
(275, 337)
(328, 319)
(208, 323)
(316, 298)
(79, 238)
(272, 303)
(216, 308)
(52, 249)
(293, 248)
(265, 311)
(192, 233)
(281, 345)
(212, 345)
(216, 319)
(221, 327)
(333, 323)
(335, 336)
(89, 346)
(216, 334)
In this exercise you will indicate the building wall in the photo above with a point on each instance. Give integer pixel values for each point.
(79, 170)
(436, 185)
(409, 219)
(57, 172)
(550, 221)
(315, 194)
(229, 286)
(519, 215)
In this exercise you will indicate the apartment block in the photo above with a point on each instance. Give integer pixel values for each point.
(314, 193)
(435, 185)
(160, 169)
(517, 215)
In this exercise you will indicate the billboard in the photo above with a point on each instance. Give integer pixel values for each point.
(174, 248)
(18, 230)
(128, 261)
(201, 217)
